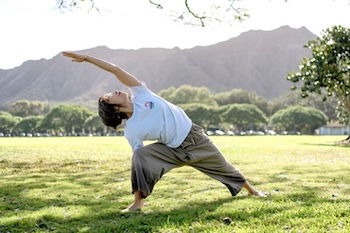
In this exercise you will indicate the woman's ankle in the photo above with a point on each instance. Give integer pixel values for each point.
(135, 206)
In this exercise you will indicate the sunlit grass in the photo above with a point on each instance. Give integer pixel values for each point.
(80, 184)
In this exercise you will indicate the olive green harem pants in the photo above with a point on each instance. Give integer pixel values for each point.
(151, 162)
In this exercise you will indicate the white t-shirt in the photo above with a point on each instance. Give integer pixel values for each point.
(154, 118)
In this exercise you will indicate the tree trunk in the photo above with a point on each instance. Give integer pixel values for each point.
(348, 138)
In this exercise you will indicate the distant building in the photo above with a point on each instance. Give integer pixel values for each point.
(334, 129)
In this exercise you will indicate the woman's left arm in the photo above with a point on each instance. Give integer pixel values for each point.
(122, 75)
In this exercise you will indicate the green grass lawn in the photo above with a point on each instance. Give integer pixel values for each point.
(80, 184)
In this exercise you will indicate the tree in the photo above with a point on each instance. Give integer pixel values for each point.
(244, 116)
(25, 108)
(28, 124)
(238, 96)
(188, 11)
(37, 108)
(7, 123)
(201, 114)
(186, 94)
(293, 98)
(327, 72)
(2, 113)
(20, 108)
(299, 119)
(94, 124)
(66, 118)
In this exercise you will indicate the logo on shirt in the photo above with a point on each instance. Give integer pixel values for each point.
(149, 104)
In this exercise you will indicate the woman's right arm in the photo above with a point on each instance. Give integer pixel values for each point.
(123, 76)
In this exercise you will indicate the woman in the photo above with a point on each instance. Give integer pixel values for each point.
(179, 141)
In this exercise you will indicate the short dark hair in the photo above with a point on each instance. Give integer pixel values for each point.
(109, 115)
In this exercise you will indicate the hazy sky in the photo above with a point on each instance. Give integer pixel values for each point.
(34, 29)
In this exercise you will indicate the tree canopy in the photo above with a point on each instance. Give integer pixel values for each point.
(237, 109)
(28, 124)
(186, 94)
(8, 122)
(202, 114)
(25, 108)
(299, 119)
(66, 118)
(244, 116)
(239, 96)
(327, 72)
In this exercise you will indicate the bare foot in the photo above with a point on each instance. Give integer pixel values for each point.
(258, 193)
(252, 190)
(134, 207)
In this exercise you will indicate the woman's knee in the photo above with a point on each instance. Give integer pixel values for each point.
(137, 155)
(141, 154)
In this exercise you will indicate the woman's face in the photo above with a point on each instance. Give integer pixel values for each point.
(115, 97)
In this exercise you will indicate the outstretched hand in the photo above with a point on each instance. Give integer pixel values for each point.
(75, 56)
(123, 76)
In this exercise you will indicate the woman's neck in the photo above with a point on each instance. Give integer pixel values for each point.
(128, 109)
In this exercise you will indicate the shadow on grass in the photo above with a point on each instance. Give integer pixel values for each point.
(99, 215)
(90, 202)
(179, 218)
(338, 144)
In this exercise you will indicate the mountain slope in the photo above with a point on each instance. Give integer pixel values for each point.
(255, 61)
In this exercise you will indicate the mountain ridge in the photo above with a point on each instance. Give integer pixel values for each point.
(256, 61)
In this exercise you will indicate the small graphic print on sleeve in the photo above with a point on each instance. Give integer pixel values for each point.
(149, 105)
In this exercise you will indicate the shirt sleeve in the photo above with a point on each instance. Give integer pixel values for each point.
(135, 144)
